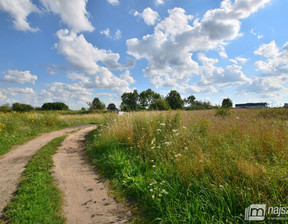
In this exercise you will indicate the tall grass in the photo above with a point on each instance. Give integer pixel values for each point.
(194, 167)
(16, 128)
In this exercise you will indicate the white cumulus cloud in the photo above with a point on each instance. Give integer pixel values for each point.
(87, 58)
(20, 77)
(113, 2)
(170, 48)
(149, 16)
(276, 63)
(19, 10)
(72, 12)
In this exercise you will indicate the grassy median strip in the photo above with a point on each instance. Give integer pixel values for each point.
(37, 199)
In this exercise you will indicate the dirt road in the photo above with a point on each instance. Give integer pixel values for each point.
(13, 163)
(86, 199)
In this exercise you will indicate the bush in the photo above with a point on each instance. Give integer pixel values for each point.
(5, 108)
(20, 107)
(55, 106)
(223, 112)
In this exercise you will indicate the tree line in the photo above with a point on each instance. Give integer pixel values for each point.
(131, 101)
(150, 100)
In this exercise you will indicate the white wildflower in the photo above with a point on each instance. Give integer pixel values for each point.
(162, 124)
(178, 155)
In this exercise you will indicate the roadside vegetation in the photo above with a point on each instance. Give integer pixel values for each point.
(16, 127)
(193, 166)
(37, 200)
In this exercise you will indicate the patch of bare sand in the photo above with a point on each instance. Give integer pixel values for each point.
(86, 199)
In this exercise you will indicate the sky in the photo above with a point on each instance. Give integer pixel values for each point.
(72, 51)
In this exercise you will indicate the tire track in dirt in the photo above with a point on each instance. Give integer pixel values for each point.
(13, 163)
(86, 199)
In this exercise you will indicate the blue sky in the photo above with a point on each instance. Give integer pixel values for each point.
(74, 50)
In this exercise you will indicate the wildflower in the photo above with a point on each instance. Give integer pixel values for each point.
(164, 192)
(160, 195)
(184, 127)
(151, 189)
(154, 166)
(162, 124)
(158, 129)
(185, 143)
(221, 186)
(174, 130)
(153, 196)
(152, 161)
(167, 143)
(178, 155)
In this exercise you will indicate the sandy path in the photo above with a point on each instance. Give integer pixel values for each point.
(85, 197)
(13, 163)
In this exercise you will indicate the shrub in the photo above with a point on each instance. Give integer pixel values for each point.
(55, 106)
(20, 107)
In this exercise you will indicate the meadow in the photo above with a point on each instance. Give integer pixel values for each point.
(194, 166)
(16, 128)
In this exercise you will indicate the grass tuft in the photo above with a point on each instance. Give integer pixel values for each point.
(37, 199)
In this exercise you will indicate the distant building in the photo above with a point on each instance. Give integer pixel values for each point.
(285, 105)
(251, 105)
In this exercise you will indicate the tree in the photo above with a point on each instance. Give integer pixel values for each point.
(227, 103)
(55, 106)
(111, 106)
(174, 100)
(148, 97)
(190, 100)
(5, 108)
(20, 107)
(159, 104)
(96, 104)
(130, 101)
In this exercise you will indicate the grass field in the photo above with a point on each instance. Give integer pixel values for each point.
(37, 200)
(195, 167)
(16, 128)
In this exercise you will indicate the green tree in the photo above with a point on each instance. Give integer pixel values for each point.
(55, 106)
(96, 104)
(111, 106)
(227, 103)
(174, 100)
(20, 107)
(5, 108)
(147, 98)
(159, 104)
(190, 100)
(130, 101)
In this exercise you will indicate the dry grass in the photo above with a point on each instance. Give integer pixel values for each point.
(240, 159)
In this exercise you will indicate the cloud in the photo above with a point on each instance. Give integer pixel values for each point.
(276, 63)
(238, 60)
(88, 59)
(72, 12)
(19, 10)
(107, 33)
(20, 77)
(170, 48)
(264, 85)
(213, 75)
(113, 2)
(64, 92)
(159, 2)
(150, 17)
(259, 36)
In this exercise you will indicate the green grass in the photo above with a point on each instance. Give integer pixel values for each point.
(37, 199)
(17, 128)
(194, 167)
